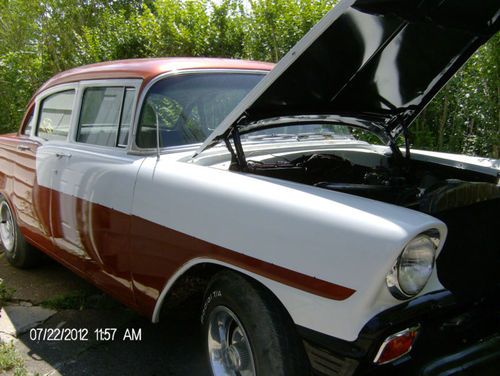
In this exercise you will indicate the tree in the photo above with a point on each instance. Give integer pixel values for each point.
(39, 39)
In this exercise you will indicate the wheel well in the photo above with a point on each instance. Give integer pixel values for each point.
(189, 287)
(186, 294)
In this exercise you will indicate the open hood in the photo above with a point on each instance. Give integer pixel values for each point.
(381, 60)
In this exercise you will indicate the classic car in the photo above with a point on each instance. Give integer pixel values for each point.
(318, 251)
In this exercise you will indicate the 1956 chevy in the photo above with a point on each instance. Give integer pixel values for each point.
(320, 252)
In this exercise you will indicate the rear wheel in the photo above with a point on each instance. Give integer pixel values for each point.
(17, 251)
(248, 332)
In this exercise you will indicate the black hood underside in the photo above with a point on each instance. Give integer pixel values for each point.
(385, 59)
(374, 59)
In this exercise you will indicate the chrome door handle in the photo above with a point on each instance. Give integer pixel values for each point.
(23, 147)
(63, 155)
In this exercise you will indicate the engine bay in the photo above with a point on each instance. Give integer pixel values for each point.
(427, 187)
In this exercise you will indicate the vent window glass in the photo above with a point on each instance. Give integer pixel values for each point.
(128, 104)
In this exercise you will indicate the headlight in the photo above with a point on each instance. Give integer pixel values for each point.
(414, 266)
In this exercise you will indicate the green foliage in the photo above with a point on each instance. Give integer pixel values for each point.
(39, 39)
(274, 26)
(465, 116)
(10, 360)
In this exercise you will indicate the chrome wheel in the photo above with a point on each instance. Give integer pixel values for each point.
(228, 346)
(7, 227)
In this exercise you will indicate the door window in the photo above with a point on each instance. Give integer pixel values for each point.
(101, 119)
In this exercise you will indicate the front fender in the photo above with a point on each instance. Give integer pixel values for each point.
(338, 238)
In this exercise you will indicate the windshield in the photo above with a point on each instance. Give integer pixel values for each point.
(188, 107)
(296, 131)
(309, 132)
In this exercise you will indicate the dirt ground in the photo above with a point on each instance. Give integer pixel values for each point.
(172, 347)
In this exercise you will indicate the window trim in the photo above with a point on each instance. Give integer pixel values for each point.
(133, 147)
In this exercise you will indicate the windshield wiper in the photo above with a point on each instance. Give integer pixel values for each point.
(273, 137)
(322, 136)
(297, 136)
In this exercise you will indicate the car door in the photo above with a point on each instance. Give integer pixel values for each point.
(55, 110)
(91, 179)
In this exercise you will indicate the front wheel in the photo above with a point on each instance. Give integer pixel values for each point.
(248, 332)
(17, 251)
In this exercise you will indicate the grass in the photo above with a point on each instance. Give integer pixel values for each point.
(80, 300)
(10, 360)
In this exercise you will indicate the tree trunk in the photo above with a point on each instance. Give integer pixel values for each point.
(442, 123)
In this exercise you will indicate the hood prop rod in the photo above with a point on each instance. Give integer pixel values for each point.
(238, 156)
(392, 140)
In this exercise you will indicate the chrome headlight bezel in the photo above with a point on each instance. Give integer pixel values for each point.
(393, 278)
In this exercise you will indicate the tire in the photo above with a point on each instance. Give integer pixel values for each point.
(262, 335)
(17, 251)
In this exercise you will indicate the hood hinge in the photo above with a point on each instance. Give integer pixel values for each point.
(392, 133)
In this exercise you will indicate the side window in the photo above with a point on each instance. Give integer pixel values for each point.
(101, 119)
(55, 116)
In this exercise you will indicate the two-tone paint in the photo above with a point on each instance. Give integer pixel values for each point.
(133, 224)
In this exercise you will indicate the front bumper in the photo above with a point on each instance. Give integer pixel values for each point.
(457, 337)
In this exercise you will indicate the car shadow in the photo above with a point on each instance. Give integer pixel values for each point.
(103, 338)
